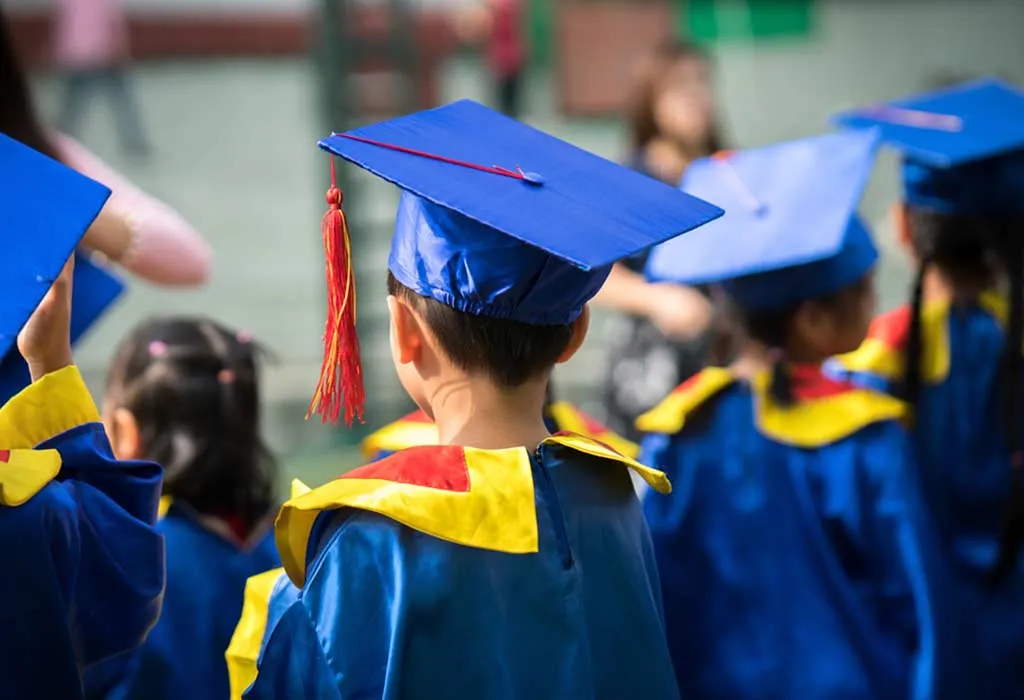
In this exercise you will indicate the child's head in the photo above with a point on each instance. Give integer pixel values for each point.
(673, 100)
(184, 392)
(431, 343)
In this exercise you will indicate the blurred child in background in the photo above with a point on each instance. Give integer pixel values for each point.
(84, 570)
(792, 552)
(500, 25)
(954, 353)
(502, 562)
(185, 392)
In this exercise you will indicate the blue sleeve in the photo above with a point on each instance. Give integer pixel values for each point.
(117, 581)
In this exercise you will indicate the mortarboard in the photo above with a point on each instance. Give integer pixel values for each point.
(45, 209)
(790, 232)
(963, 146)
(500, 219)
(94, 290)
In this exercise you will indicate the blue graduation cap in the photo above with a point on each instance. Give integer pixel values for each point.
(963, 146)
(790, 232)
(499, 219)
(45, 209)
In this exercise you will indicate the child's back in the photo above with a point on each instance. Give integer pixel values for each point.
(946, 354)
(184, 391)
(503, 562)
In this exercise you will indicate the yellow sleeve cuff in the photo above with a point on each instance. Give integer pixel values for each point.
(44, 409)
(243, 652)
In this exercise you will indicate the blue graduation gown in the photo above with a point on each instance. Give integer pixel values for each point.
(85, 568)
(183, 657)
(417, 429)
(449, 572)
(960, 445)
(788, 550)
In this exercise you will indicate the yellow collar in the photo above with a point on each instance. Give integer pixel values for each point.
(24, 473)
(824, 411)
(475, 498)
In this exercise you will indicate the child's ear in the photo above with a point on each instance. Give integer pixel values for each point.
(902, 225)
(406, 333)
(579, 333)
(123, 432)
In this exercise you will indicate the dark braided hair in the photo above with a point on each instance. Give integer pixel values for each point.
(191, 385)
(975, 252)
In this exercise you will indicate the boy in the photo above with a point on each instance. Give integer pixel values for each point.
(503, 562)
(84, 574)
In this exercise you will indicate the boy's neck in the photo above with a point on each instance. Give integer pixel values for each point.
(476, 413)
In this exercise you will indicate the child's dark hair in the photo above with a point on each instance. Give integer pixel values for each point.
(191, 385)
(510, 353)
(772, 330)
(974, 253)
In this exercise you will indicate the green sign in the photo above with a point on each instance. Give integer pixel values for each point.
(729, 20)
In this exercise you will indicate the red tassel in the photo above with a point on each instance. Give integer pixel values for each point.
(341, 375)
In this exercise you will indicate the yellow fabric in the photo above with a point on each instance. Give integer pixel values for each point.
(299, 488)
(165, 505)
(56, 403)
(244, 649)
(807, 423)
(23, 474)
(669, 416)
(581, 443)
(568, 418)
(878, 358)
(398, 436)
(497, 512)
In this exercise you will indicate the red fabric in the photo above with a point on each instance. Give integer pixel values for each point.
(689, 383)
(5, 456)
(506, 48)
(593, 426)
(433, 466)
(417, 416)
(892, 328)
(808, 383)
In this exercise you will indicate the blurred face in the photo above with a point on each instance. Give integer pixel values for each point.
(824, 329)
(683, 105)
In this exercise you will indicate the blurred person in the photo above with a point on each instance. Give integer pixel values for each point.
(503, 561)
(665, 336)
(794, 551)
(184, 392)
(91, 46)
(500, 25)
(953, 353)
(84, 568)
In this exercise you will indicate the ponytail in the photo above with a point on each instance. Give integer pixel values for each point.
(780, 389)
(911, 386)
(1013, 526)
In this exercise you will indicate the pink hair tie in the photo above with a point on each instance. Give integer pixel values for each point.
(243, 337)
(226, 376)
(157, 348)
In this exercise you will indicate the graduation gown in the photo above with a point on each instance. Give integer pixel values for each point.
(964, 470)
(788, 549)
(183, 657)
(449, 572)
(417, 429)
(85, 565)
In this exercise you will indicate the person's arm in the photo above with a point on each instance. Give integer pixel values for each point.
(137, 231)
(679, 312)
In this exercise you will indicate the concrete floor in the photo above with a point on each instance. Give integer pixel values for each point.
(235, 152)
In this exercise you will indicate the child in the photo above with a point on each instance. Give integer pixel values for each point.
(184, 392)
(503, 562)
(84, 573)
(954, 353)
(788, 555)
(417, 429)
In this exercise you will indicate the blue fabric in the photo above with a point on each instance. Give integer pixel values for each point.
(790, 573)
(790, 232)
(85, 571)
(45, 209)
(183, 658)
(965, 475)
(388, 612)
(95, 289)
(963, 146)
(528, 250)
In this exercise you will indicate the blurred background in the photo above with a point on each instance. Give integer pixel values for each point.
(233, 95)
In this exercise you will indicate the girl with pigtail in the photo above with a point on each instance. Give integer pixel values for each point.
(954, 355)
(184, 392)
